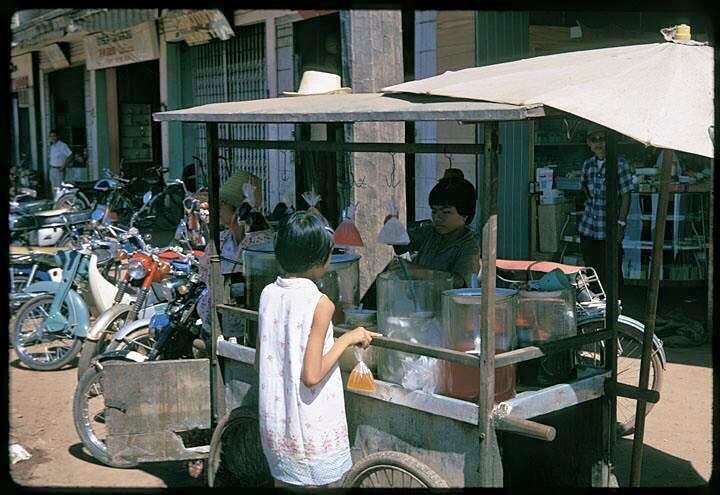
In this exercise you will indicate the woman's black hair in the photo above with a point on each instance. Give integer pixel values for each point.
(254, 218)
(304, 240)
(455, 191)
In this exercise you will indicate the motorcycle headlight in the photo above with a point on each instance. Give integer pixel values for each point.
(136, 270)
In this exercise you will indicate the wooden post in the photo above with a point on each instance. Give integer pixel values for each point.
(490, 465)
(611, 285)
(653, 290)
(216, 288)
(710, 255)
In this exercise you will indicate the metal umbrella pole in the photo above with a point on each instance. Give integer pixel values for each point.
(652, 297)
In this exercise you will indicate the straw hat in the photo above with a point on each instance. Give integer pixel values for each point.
(232, 191)
(318, 83)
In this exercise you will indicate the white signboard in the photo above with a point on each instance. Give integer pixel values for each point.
(124, 46)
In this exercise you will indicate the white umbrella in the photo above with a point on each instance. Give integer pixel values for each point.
(660, 94)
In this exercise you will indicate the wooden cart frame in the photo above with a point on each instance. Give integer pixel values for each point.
(450, 438)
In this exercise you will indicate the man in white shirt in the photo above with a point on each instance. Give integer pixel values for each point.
(59, 157)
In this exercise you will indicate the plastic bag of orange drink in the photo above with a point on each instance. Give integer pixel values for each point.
(361, 377)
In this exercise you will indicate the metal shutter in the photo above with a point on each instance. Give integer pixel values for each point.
(233, 70)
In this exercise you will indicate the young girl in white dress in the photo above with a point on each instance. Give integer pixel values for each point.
(303, 426)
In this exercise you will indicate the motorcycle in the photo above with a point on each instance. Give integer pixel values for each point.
(45, 228)
(111, 191)
(49, 328)
(59, 311)
(168, 335)
(28, 265)
(144, 269)
(192, 230)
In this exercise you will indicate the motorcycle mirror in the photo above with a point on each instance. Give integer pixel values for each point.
(147, 237)
(180, 231)
(147, 197)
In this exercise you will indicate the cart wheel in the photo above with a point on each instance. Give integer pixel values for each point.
(392, 470)
(236, 456)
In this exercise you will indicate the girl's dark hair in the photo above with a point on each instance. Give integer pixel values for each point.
(455, 191)
(303, 241)
(254, 218)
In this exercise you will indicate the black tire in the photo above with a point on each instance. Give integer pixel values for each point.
(72, 201)
(139, 340)
(628, 369)
(88, 404)
(28, 318)
(391, 470)
(236, 457)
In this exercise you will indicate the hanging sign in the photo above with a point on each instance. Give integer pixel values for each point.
(124, 46)
(196, 26)
(55, 55)
(21, 77)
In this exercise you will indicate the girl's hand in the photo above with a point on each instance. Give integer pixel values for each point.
(360, 336)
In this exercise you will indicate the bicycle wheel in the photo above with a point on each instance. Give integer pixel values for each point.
(392, 470)
(629, 353)
(236, 457)
(47, 351)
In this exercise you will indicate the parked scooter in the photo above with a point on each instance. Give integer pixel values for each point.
(28, 265)
(169, 335)
(50, 327)
(145, 268)
(45, 228)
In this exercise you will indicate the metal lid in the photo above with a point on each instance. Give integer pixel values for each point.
(472, 296)
(267, 248)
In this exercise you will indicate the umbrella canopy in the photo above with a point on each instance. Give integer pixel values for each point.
(660, 94)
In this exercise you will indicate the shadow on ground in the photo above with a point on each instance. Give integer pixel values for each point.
(173, 474)
(658, 468)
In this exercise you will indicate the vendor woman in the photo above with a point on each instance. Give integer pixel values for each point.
(244, 226)
(447, 244)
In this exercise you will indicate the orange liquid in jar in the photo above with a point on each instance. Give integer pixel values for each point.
(463, 382)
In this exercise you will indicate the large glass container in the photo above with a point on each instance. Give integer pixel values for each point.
(462, 323)
(409, 309)
(543, 316)
(341, 282)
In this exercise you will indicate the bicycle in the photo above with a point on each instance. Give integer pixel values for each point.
(590, 306)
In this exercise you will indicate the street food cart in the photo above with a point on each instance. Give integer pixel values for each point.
(563, 434)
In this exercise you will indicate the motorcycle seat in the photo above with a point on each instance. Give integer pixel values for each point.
(67, 216)
(52, 213)
(31, 250)
(84, 184)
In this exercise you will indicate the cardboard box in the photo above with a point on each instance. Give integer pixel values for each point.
(551, 219)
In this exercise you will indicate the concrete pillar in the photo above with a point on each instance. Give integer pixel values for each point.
(171, 135)
(372, 59)
(102, 133)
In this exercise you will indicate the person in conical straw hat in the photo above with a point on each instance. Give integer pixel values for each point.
(240, 199)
